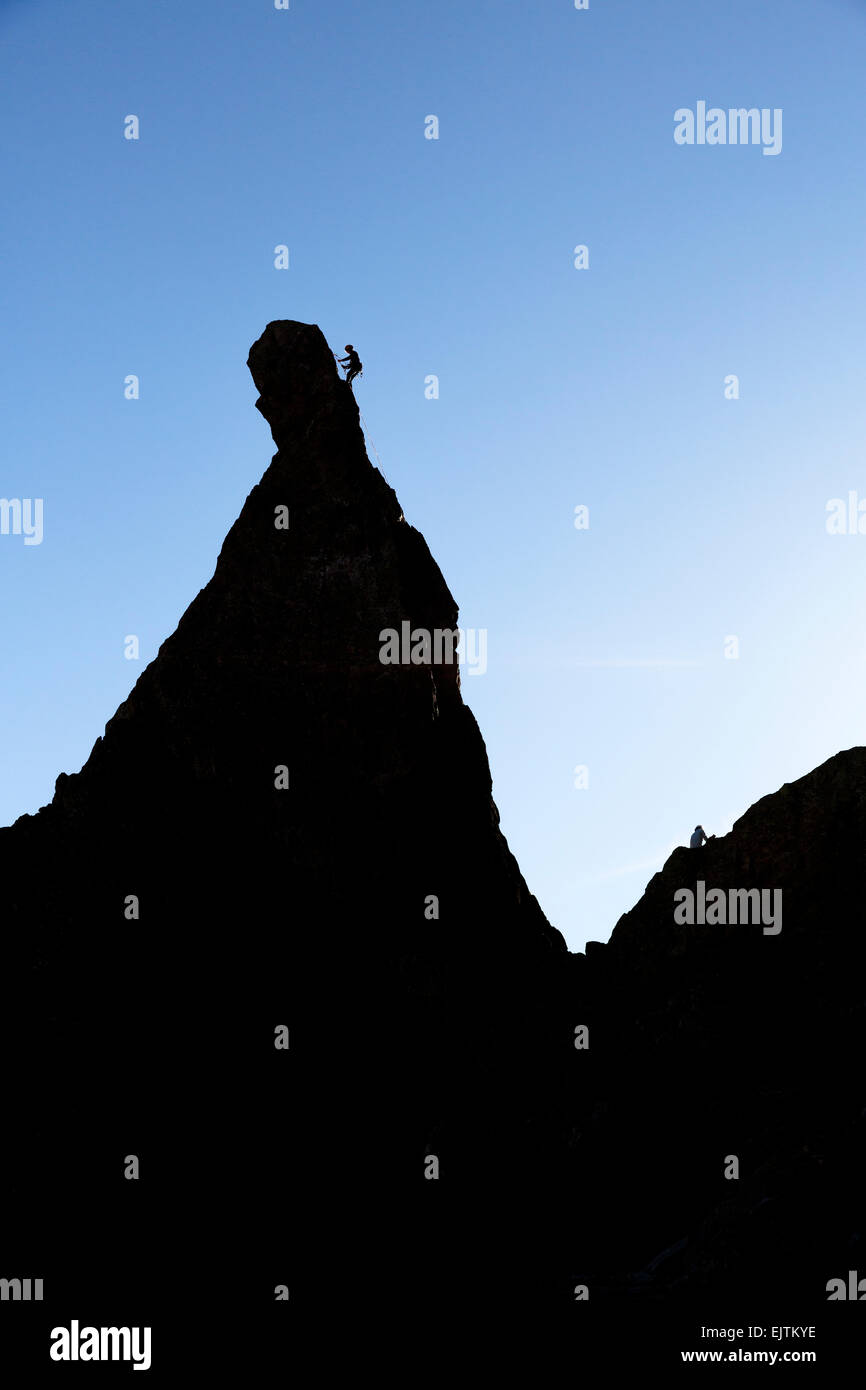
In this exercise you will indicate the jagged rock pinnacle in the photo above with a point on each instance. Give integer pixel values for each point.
(295, 374)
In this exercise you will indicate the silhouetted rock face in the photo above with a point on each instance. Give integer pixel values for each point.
(414, 1032)
(807, 839)
(277, 662)
(259, 905)
(742, 1039)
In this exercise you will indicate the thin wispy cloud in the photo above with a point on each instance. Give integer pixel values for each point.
(627, 661)
(651, 864)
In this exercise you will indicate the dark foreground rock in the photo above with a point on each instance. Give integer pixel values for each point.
(415, 1031)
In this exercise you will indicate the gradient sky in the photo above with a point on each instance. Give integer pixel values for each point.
(558, 387)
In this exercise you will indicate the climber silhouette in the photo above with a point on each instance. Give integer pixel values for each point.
(352, 362)
(699, 838)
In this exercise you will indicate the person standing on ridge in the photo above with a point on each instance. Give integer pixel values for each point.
(699, 838)
(352, 362)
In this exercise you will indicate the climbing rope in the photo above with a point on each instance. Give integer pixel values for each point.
(367, 435)
(372, 445)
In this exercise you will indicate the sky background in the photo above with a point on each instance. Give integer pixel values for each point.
(603, 387)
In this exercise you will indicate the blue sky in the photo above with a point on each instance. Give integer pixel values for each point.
(603, 387)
